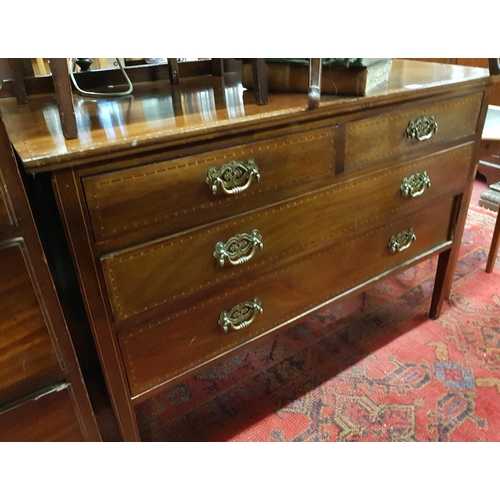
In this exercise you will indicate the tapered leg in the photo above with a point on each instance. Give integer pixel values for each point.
(495, 242)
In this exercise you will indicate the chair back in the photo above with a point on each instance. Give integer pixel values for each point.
(494, 65)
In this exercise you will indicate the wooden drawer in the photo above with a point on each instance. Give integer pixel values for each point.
(149, 276)
(50, 417)
(172, 346)
(7, 218)
(173, 196)
(385, 136)
(28, 358)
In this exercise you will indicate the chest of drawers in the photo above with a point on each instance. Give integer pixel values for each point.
(196, 232)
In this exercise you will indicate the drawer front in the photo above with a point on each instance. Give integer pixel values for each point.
(171, 347)
(383, 137)
(28, 358)
(150, 276)
(7, 219)
(140, 199)
(49, 418)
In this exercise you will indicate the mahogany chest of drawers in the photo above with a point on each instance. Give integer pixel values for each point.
(195, 231)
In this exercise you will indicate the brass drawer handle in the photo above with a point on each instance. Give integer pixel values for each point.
(421, 128)
(240, 316)
(402, 241)
(233, 177)
(238, 249)
(415, 185)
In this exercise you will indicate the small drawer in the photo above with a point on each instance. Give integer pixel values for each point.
(173, 346)
(50, 417)
(389, 135)
(149, 276)
(7, 218)
(179, 194)
(28, 358)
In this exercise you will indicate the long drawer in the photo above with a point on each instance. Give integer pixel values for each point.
(179, 194)
(172, 346)
(29, 359)
(391, 134)
(149, 276)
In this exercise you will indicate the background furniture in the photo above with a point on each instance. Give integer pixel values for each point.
(489, 156)
(63, 88)
(490, 149)
(42, 393)
(198, 220)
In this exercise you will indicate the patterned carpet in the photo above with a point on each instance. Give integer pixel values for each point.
(372, 368)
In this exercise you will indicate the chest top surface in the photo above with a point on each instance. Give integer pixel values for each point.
(160, 114)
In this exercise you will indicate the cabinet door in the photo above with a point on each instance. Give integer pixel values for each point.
(42, 393)
(29, 361)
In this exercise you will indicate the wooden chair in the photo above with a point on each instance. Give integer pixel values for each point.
(491, 145)
(62, 89)
(258, 72)
(64, 96)
(259, 77)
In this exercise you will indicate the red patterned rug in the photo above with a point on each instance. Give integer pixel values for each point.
(373, 368)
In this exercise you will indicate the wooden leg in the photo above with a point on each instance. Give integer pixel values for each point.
(495, 242)
(259, 74)
(494, 66)
(448, 259)
(69, 199)
(173, 71)
(177, 101)
(17, 67)
(64, 96)
(217, 67)
(440, 288)
(314, 93)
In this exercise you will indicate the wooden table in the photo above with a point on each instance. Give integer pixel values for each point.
(199, 221)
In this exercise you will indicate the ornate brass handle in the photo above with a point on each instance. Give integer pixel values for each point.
(415, 185)
(240, 316)
(238, 249)
(402, 241)
(233, 177)
(421, 128)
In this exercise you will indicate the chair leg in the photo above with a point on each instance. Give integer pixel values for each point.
(217, 67)
(64, 96)
(18, 80)
(173, 71)
(314, 91)
(259, 74)
(495, 242)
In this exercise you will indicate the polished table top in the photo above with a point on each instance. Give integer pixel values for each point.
(159, 113)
